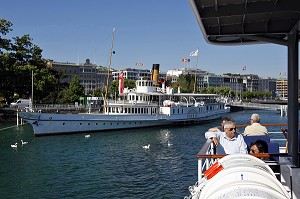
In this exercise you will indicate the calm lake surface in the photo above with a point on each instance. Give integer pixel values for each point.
(108, 164)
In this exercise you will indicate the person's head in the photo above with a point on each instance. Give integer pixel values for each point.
(230, 129)
(258, 146)
(254, 118)
(225, 119)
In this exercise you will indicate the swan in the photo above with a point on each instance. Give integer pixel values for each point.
(24, 142)
(87, 136)
(14, 145)
(169, 144)
(146, 146)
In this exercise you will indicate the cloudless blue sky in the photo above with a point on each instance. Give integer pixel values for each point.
(149, 32)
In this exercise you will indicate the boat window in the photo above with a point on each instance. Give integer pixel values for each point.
(178, 111)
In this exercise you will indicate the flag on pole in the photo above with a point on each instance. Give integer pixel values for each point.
(139, 64)
(244, 68)
(185, 60)
(194, 53)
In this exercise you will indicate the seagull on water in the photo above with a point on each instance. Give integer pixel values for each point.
(169, 144)
(146, 146)
(24, 142)
(87, 136)
(14, 145)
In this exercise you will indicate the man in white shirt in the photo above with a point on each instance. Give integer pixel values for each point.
(255, 128)
(228, 142)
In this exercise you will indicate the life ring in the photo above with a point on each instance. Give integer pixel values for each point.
(213, 170)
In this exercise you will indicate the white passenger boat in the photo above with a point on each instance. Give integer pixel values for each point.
(145, 106)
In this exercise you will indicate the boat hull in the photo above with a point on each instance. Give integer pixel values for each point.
(54, 124)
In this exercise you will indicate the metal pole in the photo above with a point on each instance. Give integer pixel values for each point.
(293, 78)
(108, 70)
(32, 90)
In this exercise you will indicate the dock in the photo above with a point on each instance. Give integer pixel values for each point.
(236, 106)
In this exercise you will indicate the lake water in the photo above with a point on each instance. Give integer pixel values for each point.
(108, 164)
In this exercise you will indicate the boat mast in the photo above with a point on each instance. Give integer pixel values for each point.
(108, 69)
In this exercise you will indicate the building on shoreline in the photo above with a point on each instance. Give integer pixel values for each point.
(91, 76)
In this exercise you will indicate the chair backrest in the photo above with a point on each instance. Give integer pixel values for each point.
(273, 148)
(250, 139)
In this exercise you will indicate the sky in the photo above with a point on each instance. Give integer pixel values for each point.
(150, 32)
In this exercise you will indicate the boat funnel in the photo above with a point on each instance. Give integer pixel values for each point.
(155, 74)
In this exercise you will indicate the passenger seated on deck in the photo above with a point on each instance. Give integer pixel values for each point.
(227, 142)
(255, 128)
(221, 128)
(258, 146)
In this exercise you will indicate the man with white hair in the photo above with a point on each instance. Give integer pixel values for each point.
(255, 128)
(227, 142)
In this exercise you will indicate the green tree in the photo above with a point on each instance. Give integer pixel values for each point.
(128, 83)
(5, 27)
(114, 86)
(18, 58)
(186, 83)
(75, 91)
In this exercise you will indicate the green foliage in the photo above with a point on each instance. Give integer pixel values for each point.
(114, 87)
(75, 91)
(5, 27)
(128, 83)
(19, 57)
(99, 92)
(186, 83)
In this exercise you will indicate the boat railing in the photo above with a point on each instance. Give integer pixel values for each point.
(130, 103)
(206, 156)
(204, 162)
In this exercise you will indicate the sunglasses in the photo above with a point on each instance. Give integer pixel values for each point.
(231, 129)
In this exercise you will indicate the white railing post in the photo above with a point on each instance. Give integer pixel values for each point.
(199, 169)
(17, 117)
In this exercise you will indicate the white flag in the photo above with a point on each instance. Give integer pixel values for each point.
(194, 53)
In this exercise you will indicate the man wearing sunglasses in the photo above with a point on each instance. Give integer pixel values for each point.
(228, 142)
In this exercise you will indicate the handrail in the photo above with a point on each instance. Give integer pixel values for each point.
(258, 155)
(244, 125)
